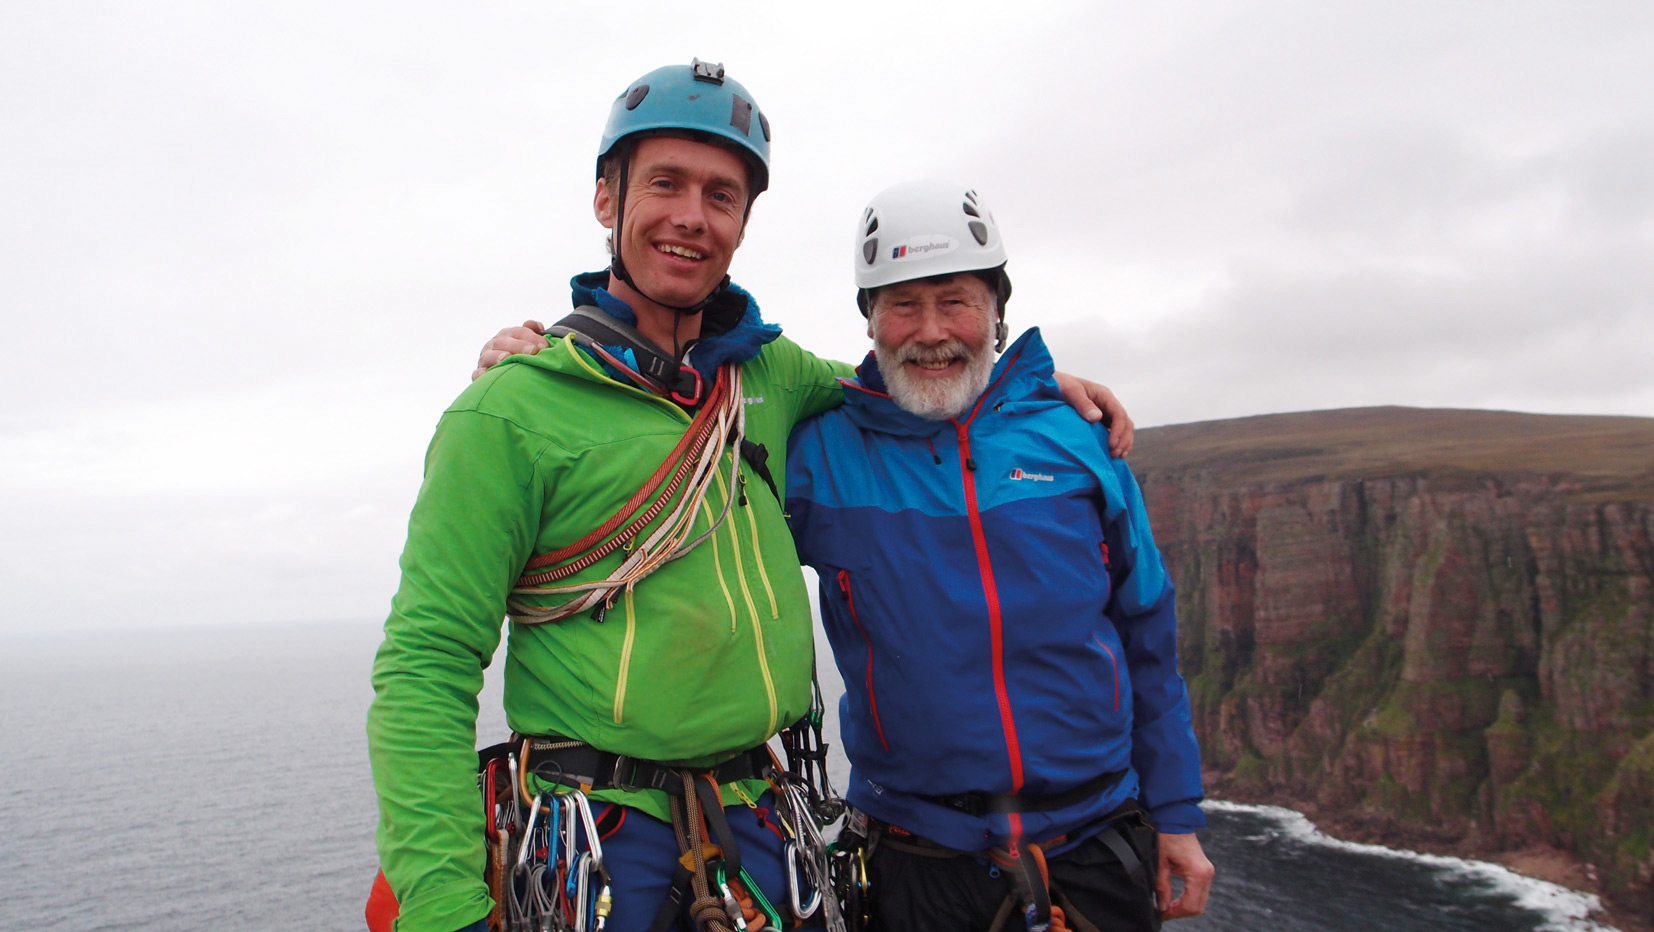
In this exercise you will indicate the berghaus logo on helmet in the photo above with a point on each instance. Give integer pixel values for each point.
(920, 246)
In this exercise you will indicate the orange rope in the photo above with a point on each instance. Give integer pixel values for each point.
(699, 429)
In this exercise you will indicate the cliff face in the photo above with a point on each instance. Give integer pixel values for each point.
(1387, 614)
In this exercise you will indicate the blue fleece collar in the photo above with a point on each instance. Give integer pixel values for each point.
(737, 344)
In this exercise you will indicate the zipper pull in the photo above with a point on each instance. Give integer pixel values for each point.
(844, 584)
(742, 478)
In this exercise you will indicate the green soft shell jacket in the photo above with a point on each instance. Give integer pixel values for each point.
(707, 657)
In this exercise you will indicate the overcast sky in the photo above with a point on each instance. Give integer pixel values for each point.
(248, 257)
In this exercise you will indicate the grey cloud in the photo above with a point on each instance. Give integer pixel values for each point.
(1564, 332)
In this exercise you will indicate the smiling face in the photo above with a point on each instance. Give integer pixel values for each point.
(682, 220)
(932, 340)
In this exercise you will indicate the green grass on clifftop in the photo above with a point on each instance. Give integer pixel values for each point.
(1604, 458)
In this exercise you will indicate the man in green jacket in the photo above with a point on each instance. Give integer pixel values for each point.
(611, 494)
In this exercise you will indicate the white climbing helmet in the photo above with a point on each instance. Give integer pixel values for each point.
(923, 228)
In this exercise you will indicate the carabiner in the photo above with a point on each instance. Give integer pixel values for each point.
(594, 841)
(800, 806)
(795, 887)
(516, 800)
(489, 801)
(732, 906)
(528, 833)
(570, 830)
(771, 914)
(577, 889)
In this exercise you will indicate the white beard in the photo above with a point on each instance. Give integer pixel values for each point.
(934, 399)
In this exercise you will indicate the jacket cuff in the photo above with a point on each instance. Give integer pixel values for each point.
(1180, 818)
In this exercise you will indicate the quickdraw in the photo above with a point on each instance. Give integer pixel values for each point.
(809, 873)
(539, 873)
(807, 759)
(847, 857)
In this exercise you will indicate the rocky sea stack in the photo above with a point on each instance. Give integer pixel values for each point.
(1433, 628)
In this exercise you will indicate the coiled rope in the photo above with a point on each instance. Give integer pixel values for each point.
(720, 424)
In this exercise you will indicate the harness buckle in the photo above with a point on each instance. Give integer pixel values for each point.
(678, 382)
(662, 779)
(621, 761)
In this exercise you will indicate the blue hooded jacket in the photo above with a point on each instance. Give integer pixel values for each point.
(1037, 648)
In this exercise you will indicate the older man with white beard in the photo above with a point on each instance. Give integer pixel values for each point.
(1018, 733)
(934, 364)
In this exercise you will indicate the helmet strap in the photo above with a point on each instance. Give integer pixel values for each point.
(617, 265)
(1002, 293)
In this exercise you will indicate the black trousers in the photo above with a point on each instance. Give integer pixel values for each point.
(917, 892)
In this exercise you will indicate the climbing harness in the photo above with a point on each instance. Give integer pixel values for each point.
(664, 374)
(978, 804)
(545, 866)
(1042, 905)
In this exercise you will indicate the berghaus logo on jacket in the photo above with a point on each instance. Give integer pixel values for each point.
(1019, 474)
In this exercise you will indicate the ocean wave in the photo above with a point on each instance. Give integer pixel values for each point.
(1562, 909)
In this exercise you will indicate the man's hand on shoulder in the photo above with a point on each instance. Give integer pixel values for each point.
(510, 342)
(1094, 402)
(1181, 856)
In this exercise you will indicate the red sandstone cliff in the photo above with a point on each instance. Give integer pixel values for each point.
(1438, 624)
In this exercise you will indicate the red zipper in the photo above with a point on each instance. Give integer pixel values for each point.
(872, 701)
(967, 470)
(1115, 665)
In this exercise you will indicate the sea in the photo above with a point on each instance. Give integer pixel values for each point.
(163, 780)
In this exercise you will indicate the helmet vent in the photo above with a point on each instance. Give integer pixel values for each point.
(870, 250)
(635, 96)
(764, 124)
(872, 227)
(740, 114)
(970, 209)
(980, 231)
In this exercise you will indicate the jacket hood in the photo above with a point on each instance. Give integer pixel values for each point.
(1022, 380)
(732, 330)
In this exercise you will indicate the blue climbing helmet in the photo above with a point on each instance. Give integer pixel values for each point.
(699, 101)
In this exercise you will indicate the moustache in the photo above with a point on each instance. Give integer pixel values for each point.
(942, 352)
